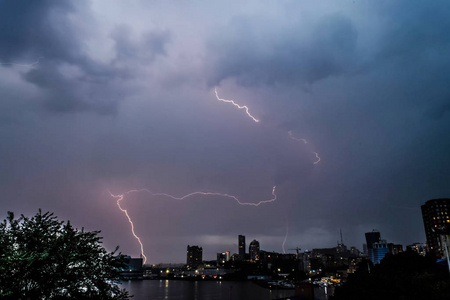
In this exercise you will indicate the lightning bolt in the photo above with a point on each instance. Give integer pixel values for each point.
(237, 105)
(24, 65)
(200, 193)
(291, 135)
(121, 197)
(285, 237)
(317, 156)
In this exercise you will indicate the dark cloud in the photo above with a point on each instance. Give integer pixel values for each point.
(255, 55)
(365, 83)
(79, 93)
(32, 29)
(69, 79)
(441, 111)
(141, 50)
(415, 31)
(44, 29)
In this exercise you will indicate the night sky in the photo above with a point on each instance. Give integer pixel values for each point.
(111, 96)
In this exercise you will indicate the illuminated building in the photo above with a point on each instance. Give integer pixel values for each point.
(420, 248)
(371, 238)
(241, 243)
(253, 250)
(354, 251)
(222, 258)
(194, 256)
(234, 257)
(395, 248)
(306, 261)
(435, 220)
(379, 250)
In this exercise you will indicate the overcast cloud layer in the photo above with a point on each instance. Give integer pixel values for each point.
(99, 96)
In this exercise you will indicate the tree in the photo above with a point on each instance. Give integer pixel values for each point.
(406, 275)
(43, 258)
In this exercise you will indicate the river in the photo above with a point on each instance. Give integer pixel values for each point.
(205, 290)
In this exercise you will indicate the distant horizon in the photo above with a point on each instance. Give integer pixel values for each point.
(291, 251)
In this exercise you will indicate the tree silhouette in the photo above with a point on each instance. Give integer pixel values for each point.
(43, 258)
(406, 275)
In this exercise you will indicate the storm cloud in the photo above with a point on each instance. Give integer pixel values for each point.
(101, 97)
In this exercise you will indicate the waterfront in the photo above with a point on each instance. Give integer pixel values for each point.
(199, 290)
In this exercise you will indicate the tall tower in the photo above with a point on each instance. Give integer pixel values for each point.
(371, 238)
(436, 221)
(241, 243)
(253, 250)
(194, 256)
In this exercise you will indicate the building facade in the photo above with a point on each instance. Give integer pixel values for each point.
(395, 248)
(420, 248)
(436, 221)
(371, 238)
(253, 250)
(379, 250)
(241, 243)
(222, 258)
(194, 256)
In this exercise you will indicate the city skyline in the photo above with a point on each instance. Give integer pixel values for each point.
(285, 121)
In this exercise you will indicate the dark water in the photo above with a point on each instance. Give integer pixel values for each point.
(203, 290)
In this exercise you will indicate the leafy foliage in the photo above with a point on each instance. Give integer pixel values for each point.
(43, 258)
(406, 275)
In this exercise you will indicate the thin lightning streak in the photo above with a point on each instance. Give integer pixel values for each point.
(285, 237)
(24, 65)
(216, 194)
(291, 135)
(237, 105)
(317, 156)
(121, 197)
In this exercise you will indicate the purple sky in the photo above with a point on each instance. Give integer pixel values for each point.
(101, 96)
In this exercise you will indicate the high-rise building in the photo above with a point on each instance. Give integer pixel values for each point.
(436, 221)
(306, 261)
(253, 250)
(379, 250)
(194, 256)
(241, 243)
(371, 238)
